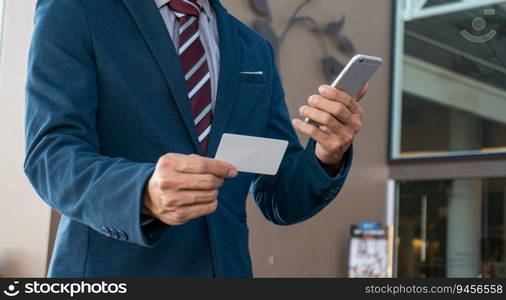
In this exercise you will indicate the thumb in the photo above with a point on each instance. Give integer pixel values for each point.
(363, 92)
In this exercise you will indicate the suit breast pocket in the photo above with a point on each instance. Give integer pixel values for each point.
(252, 107)
(253, 77)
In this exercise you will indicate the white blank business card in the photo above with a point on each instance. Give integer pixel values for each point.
(252, 154)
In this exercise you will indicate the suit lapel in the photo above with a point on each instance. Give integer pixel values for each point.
(229, 75)
(148, 19)
(150, 23)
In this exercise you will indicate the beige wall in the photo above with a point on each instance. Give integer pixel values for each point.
(24, 226)
(318, 248)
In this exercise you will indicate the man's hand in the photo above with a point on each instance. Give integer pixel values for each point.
(185, 187)
(340, 117)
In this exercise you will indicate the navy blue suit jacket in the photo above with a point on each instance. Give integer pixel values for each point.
(106, 98)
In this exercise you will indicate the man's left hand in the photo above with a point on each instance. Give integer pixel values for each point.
(340, 118)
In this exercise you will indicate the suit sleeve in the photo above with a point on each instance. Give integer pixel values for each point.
(63, 160)
(302, 188)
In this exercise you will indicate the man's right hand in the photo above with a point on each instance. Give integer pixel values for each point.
(185, 187)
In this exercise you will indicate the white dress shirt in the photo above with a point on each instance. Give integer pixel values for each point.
(208, 29)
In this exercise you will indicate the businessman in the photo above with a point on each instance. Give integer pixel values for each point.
(127, 101)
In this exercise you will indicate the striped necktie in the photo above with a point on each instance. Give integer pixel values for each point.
(195, 67)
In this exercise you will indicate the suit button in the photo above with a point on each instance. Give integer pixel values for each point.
(114, 233)
(122, 235)
(106, 231)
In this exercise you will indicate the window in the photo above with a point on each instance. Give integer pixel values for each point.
(449, 91)
(452, 228)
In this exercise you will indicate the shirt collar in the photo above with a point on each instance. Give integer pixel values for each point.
(205, 5)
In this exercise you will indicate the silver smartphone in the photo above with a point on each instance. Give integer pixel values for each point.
(357, 73)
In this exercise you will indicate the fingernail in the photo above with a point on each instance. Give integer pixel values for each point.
(323, 89)
(312, 100)
(232, 173)
(302, 109)
(296, 122)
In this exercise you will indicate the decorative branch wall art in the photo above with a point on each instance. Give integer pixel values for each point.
(331, 31)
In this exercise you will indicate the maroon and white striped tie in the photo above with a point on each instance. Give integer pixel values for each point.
(193, 58)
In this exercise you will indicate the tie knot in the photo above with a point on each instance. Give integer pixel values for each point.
(185, 7)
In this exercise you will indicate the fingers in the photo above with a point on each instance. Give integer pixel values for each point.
(185, 214)
(194, 164)
(321, 117)
(363, 92)
(339, 118)
(334, 95)
(202, 182)
(335, 109)
(199, 182)
(311, 130)
(175, 201)
(331, 142)
(185, 187)
(200, 210)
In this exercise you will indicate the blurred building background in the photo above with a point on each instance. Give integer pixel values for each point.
(430, 163)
